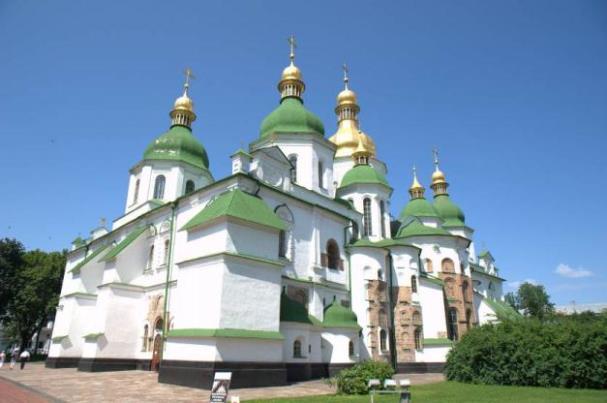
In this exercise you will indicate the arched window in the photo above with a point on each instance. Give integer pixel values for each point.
(321, 172)
(452, 324)
(293, 161)
(136, 191)
(418, 338)
(382, 212)
(151, 257)
(468, 318)
(351, 348)
(189, 186)
(333, 260)
(465, 291)
(159, 187)
(448, 266)
(354, 231)
(383, 340)
(144, 346)
(297, 349)
(413, 284)
(367, 217)
(166, 251)
(416, 317)
(282, 244)
(429, 267)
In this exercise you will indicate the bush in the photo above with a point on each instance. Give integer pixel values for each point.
(354, 381)
(562, 352)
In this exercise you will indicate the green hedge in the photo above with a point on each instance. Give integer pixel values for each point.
(354, 381)
(563, 352)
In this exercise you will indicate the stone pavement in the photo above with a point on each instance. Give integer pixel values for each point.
(70, 385)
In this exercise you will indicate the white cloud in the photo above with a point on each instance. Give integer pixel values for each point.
(516, 284)
(569, 272)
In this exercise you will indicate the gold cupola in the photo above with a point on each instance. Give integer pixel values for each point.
(349, 135)
(439, 183)
(183, 109)
(291, 81)
(361, 154)
(416, 190)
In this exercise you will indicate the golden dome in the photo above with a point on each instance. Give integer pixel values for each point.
(184, 103)
(291, 72)
(438, 176)
(415, 185)
(347, 138)
(347, 96)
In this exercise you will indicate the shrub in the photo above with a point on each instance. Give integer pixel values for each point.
(562, 352)
(354, 380)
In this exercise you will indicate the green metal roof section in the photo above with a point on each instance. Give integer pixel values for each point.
(452, 215)
(431, 279)
(337, 315)
(293, 311)
(363, 174)
(226, 333)
(416, 228)
(383, 243)
(122, 245)
(291, 117)
(502, 309)
(93, 255)
(238, 204)
(437, 342)
(178, 144)
(418, 208)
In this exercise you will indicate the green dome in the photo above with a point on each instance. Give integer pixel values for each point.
(449, 211)
(418, 208)
(416, 228)
(293, 311)
(337, 315)
(363, 174)
(291, 117)
(178, 144)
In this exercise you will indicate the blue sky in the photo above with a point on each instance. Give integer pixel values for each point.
(513, 93)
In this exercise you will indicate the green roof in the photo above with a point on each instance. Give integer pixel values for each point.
(123, 244)
(416, 228)
(502, 309)
(337, 315)
(238, 204)
(76, 269)
(438, 342)
(293, 311)
(363, 173)
(178, 144)
(291, 117)
(383, 243)
(229, 333)
(452, 215)
(418, 208)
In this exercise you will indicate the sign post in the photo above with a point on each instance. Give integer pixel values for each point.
(221, 387)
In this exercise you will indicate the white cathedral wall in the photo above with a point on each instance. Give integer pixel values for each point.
(484, 312)
(252, 240)
(77, 312)
(433, 310)
(335, 345)
(307, 335)
(190, 349)
(432, 354)
(200, 242)
(249, 350)
(447, 248)
(357, 194)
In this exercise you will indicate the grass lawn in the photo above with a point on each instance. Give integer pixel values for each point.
(450, 392)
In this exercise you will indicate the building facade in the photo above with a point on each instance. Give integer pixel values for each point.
(288, 269)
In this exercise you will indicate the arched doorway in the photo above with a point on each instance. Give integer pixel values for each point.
(157, 347)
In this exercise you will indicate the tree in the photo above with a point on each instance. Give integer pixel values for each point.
(36, 285)
(534, 300)
(511, 299)
(11, 260)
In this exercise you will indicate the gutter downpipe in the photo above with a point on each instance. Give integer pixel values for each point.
(165, 331)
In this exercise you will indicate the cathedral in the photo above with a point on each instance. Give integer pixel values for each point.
(290, 268)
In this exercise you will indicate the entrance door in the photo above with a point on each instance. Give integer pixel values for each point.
(155, 365)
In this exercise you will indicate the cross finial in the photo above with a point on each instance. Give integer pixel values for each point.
(292, 46)
(414, 172)
(435, 153)
(188, 76)
(346, 78)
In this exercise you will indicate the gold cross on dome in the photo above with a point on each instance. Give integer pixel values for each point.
(435, 153)
(188, 76)
(292, 46)
(346, 78)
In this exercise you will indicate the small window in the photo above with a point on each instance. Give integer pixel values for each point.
(351, 348)
(354, 231)
(297, 349)
(382, 212)
(166, 251)
(383, 340)
(465, 291)
(333, 261)
(282, 244)
(189, 186)
(293, 160)
(136, 191)
(452, 324)
(429, 267)
(151, 257)
(468, 318)
(321, 172)
(367, 217)
(418, 338)
(413, 284)
(448, 266)
(159, 187)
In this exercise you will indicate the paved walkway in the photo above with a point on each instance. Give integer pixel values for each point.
(70, 385)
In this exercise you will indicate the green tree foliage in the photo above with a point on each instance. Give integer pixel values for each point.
(354, 381)
(534, 300)
(564, 351)
(34, 285)
(11, 260)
